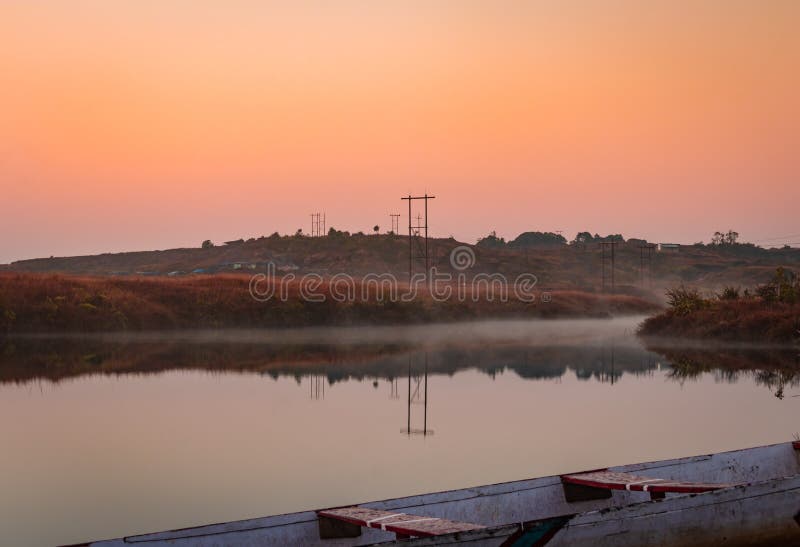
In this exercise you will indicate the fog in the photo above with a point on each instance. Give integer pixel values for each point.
(549, 332)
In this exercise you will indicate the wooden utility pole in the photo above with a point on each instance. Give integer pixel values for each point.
(646, 258)
(395, 223)
(422, 246)
(612, 256)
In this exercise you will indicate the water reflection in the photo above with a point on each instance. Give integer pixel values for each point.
(159, 432)
(419, 396)
(775, 369)
(604, 359)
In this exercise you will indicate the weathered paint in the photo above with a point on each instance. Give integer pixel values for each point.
(762, 510)
(614, 480)
(402, 524)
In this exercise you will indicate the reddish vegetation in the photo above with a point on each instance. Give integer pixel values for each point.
(565, 267)
(745, 320)
(52, 303)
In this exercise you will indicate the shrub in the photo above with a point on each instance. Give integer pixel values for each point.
(729, 293)
(684, 301)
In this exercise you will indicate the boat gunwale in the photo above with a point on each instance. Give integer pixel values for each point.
(430, 499)
(597, 516)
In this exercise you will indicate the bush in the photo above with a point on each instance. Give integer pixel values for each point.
(729, 293)
(784, 287)
(684, 301)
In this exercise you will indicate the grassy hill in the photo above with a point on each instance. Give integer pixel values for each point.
(561, 266)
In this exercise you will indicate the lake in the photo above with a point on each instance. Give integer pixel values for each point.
(105, 436)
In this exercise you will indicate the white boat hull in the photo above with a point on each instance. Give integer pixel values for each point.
(764, 509)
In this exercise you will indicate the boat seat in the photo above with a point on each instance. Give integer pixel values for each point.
(402, 524)
(614, 480)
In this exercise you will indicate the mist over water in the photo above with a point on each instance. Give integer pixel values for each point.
(111, 435)
(533, 332)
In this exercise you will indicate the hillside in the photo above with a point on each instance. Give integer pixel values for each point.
(32, 302)
(562, 266)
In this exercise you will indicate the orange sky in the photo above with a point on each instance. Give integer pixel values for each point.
(154, 124)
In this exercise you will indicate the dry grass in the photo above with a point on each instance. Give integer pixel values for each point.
(54, 303)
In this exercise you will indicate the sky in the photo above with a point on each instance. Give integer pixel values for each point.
(154, 124)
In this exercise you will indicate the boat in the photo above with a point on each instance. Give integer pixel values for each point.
(742, 497)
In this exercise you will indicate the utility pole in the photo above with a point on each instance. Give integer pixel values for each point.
(317, 224)
(416, 238)
(605, 257)
(646, 258)
(415, 397)
(395, 223)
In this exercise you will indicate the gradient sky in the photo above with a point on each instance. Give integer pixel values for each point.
(160, 123)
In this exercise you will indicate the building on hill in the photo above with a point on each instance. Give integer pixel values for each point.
(669, 247)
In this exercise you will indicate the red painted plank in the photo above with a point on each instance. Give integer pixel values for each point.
(625, 481)
(402, 524)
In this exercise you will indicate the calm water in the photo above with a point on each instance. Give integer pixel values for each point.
(107, 437)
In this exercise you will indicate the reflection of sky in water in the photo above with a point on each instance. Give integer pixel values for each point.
(110, 454)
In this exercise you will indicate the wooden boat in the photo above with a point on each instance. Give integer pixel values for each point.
(744, 497)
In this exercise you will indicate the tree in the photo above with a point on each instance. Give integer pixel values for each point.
(491, 241)
(334, 233)
(538, 239)
(375, 229)
(207, 244)
(728, 238)
(784, 287)
(582, 238)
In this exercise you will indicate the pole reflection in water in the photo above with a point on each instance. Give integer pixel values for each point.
(317, 386)
(418, 396)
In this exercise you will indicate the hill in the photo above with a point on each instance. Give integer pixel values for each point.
(575, 266)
